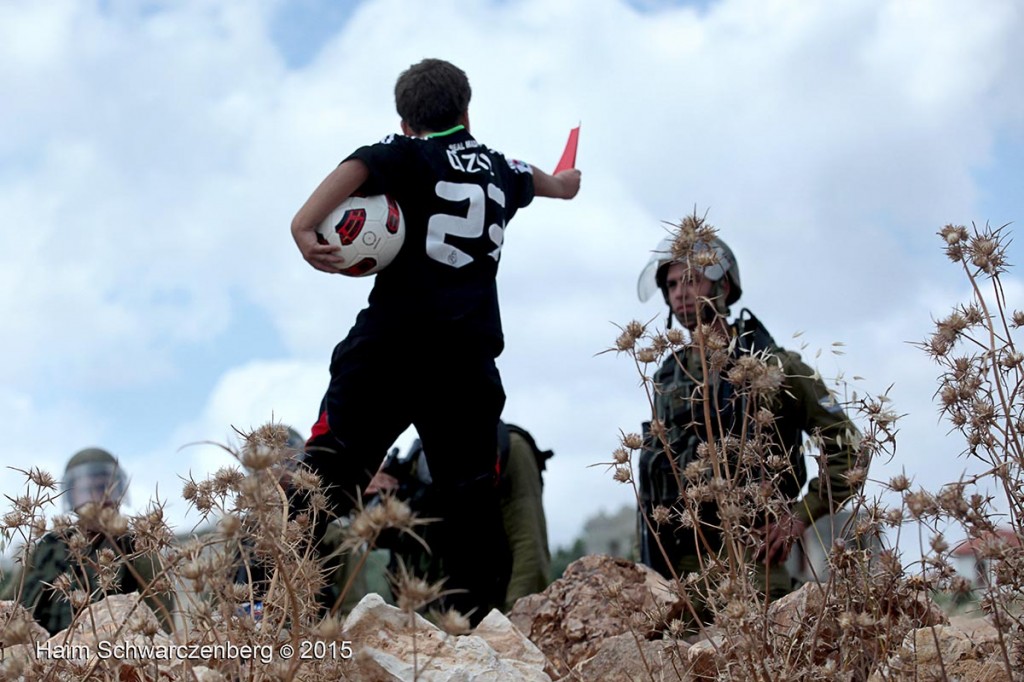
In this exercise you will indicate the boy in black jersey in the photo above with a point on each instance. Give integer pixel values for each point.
(422, 352)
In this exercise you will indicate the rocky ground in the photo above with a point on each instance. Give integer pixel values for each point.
(583, 627)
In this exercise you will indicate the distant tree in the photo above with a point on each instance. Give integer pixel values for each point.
(562, 557)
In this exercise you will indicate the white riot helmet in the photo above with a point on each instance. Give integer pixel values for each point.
(93, 475)
(653, 276)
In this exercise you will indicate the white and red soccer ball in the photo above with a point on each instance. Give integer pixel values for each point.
(369, 230)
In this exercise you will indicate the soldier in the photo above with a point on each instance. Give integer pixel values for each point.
(250, 570)
(520, 487)
(340, 564)
(101, 563)
(701, 425)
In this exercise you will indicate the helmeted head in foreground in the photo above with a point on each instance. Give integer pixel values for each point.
(93, 475)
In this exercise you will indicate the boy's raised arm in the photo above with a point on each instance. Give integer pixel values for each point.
(563, 185)
(335, 188)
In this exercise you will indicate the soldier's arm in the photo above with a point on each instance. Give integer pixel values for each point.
(835, 434)
(43, 562)
(11, 581)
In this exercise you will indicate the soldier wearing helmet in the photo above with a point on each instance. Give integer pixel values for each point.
(93, 488)
(339, 564)
(248, 569)
(93, 476)
(709, 260)
(699, 278)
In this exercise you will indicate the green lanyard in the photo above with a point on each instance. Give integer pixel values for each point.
(446, 132)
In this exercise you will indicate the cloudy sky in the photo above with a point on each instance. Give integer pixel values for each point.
(153, 153)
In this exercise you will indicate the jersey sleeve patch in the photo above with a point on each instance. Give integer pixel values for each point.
(519, 167)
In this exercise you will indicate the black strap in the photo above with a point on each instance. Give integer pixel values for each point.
(542, 455)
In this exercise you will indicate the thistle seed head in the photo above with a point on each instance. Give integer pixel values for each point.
(629, 336)
(632, 441)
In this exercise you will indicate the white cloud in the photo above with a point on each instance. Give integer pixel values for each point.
(154, 160)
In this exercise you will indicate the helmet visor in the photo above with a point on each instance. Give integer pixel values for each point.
(647, 284)
(99, 482)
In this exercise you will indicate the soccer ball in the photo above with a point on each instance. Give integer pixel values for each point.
(369, 230)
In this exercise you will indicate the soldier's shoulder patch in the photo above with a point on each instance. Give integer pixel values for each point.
(830, 404)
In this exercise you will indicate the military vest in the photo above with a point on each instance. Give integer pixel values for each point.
(679, 403)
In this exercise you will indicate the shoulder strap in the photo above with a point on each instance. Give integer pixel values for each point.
(542, 455)
(753, 336)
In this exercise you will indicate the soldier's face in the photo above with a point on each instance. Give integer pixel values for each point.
(688, 290)
(95, 489)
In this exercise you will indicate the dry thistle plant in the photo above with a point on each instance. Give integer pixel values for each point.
(97, 553)
(981, 395)
(253, 580)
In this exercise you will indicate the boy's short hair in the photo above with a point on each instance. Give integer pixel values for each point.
(432, 95)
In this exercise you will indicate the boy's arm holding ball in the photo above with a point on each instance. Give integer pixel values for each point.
(335, 188)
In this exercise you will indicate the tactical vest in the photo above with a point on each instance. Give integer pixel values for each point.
(51, 558)
(679, 405)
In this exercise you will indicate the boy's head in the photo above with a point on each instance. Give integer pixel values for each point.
(432, 96)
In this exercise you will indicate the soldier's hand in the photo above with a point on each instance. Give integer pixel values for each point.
(381, 482)
(779, 537)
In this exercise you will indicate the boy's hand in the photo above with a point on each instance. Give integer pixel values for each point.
(570, 181)
(563, 185)
(323, 257)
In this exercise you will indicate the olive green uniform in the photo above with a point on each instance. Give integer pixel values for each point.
(51, 558)
(801, 405)
(357, 572)
(522, 510)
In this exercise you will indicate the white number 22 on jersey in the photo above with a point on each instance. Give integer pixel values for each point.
(471, 225)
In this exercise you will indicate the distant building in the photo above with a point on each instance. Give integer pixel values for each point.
(967, 557)
(612, 534)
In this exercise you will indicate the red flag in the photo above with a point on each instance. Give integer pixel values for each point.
(568, 159)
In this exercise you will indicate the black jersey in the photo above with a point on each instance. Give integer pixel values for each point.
(457, 196)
